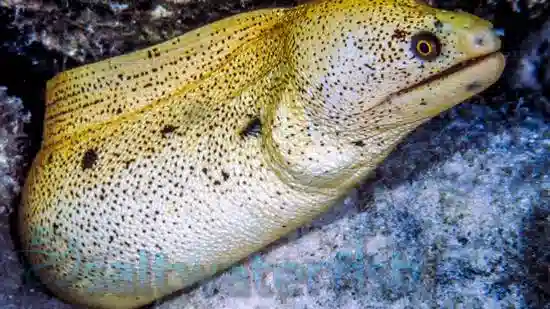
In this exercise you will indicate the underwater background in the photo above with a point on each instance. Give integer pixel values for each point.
(457, 217)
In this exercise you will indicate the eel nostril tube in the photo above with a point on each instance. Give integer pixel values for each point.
(479, 41)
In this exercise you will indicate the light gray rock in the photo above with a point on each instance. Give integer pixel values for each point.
(13, 117)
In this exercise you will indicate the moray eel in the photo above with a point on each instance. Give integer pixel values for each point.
(163, 167)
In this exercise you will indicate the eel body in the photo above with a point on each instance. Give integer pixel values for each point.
(164, 166)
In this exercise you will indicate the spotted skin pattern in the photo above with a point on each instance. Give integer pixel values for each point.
(165, 166)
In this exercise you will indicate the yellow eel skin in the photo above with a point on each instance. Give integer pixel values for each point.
(165, 166)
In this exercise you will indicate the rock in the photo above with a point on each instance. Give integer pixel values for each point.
(12, 145)
(533, 67)
(86, 31)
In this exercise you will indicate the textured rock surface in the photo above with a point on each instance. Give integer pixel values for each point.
(12, 142)
(458, 217)
(93, 29)
(533, 71)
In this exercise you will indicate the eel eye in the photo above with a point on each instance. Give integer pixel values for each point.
(426, 46)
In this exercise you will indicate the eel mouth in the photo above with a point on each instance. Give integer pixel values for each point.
(450, 71)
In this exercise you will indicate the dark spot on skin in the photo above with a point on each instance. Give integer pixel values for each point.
(253, 128)
(399, 34)
(473, 86)
(89, 159)
(119, 110)
(167, 130)
(369, 66)
(49, 159)
(127, 163)
(438, 24)
(359, 143)
(225, 175)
